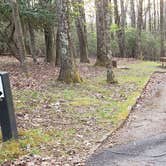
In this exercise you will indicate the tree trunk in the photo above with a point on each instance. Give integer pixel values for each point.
(139, 30)
(122, 33)
(103, 33)
(81, 31)
(158, 15)
(58, 59)
(144, 19)
(32, 42)
(154, 17)
(108, 22)
(132, 14)
(150, 19)
(68, 71)
(19, 34)
(121, 27)
(32, 38)
(162, 52)
(49, 42)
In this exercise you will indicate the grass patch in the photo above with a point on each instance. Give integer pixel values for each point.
(28, 143)
(82, 112)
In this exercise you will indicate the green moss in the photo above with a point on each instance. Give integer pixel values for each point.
(28, 142)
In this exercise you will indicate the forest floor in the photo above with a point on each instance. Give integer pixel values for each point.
(62, 124)
(141, 141)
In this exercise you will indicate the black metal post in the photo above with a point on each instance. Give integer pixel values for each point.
(7, 116)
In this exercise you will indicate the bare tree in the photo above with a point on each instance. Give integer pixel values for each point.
(154, 16)
(102, 22)
(81, 30)
(132, 13)
(120, 22)
(19, 34)
(32, 37)
(68, 71)
(162, 52)
(49, 42)
(150, 19)
(139, 30)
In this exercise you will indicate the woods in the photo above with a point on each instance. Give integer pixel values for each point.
(123, 29)
(77, 69)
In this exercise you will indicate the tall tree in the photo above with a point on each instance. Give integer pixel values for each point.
(154, 16)
(103, 32)
(32, 42)
(32, 37)
(120, 22)
(122, 29)
(49, 34)
(158, 15)
(81, 30)
(132, 13)
(162, 28)
(150, 19)
(49, 42)
(139, 30)
(68, 71)
(19, 33)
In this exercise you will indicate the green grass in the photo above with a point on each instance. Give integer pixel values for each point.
(92, 99)
(28, 142)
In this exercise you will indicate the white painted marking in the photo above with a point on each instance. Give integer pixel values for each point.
(1, 89)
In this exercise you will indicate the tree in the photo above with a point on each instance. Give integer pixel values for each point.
(81, 30)
(162, 52)
(49, 42)
(150, 19)
(32, 42)
(154, 15)
(103, 33)
(132, 13)
(68, 70)
(139, 30)
(120, 22)
(32, 37)
(19, 33)
(122, 29)
(49, 33)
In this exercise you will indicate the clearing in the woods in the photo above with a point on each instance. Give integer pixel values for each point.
(68, 122)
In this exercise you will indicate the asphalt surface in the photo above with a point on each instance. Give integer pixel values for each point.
(149, 152)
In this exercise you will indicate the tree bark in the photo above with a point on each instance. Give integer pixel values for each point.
(121, 27)
(154, 16)
(49, 42)
(162, 52)
(81, 31)
(103, 33)
(132, 14)
(32, 42)
(139, 30)
(19, 34)
(58, 59)
(68, 71)
(150, 18)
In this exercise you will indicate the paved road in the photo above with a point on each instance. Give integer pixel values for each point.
(147, 152)
(142, 140)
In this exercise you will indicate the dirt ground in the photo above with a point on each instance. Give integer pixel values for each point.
(147, 120)
(75, 127)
